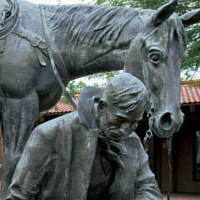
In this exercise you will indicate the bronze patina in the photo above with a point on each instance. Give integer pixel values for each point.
(85, 40)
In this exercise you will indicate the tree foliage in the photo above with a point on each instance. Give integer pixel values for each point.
(97, 80)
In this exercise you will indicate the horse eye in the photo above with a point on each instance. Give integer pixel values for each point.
(155, 58)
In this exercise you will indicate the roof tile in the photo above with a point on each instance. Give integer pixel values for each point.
(190, 93)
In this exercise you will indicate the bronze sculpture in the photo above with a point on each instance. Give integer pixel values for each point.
(90, 154)
(85, 40)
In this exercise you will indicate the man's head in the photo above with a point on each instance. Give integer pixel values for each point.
(122, 106)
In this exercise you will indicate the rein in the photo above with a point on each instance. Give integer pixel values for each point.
(53, 66)
(148, 136)
(169, 152)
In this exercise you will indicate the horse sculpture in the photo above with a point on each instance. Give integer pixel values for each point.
(85, 40)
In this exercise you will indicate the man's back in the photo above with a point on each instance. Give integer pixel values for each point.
(57, 161)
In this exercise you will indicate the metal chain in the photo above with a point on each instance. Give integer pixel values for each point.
(146, 139)
(148, 135)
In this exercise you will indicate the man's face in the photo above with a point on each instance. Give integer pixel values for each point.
(115, 123)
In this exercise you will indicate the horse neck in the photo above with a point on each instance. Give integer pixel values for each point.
(95, 60)
(97, 39)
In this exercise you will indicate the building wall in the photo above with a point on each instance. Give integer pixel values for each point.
(183, 154)
(185, 163)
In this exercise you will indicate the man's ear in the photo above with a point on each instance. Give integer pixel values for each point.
(102, 105)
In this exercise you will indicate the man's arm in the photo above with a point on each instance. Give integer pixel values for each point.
(146, 187)
(31, 167)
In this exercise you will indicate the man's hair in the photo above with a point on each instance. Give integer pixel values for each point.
(126, 92)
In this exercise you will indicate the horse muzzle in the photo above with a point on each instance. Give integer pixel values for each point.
(167, 123)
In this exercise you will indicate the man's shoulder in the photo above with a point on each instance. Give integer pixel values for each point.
(58, 125)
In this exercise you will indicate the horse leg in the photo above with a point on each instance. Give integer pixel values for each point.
(18, 119)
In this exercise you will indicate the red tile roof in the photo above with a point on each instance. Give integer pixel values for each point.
(60, 108)
(190, 94)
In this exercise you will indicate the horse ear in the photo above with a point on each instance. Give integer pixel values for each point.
(164, 13)
(191, 17)
(133, 63)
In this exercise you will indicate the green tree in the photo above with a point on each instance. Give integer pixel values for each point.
(75, 85)
(72, 88)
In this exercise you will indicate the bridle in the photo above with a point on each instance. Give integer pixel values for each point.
(149, 135)
(147, 138)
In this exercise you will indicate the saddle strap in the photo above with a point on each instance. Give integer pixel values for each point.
(42, 48)
(60, 81)
(35, 41)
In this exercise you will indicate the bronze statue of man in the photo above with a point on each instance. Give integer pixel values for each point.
(92, 154)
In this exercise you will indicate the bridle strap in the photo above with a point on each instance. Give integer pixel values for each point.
(53, 66)
(146, 140)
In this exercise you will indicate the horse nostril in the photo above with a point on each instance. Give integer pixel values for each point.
(166, 121)
(152, 110)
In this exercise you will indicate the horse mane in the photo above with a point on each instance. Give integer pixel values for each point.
(93, 25)
(96, 25)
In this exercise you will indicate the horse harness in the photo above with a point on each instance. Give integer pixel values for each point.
(42, 46)
(148, 136)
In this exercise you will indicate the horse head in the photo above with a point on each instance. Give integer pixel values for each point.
(155, 57)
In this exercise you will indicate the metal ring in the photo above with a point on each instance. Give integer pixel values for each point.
(149, 134)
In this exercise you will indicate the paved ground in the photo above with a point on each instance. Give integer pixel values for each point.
(184, 197)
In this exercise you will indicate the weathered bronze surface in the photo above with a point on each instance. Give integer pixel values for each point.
(85, 40)
(90, 154)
